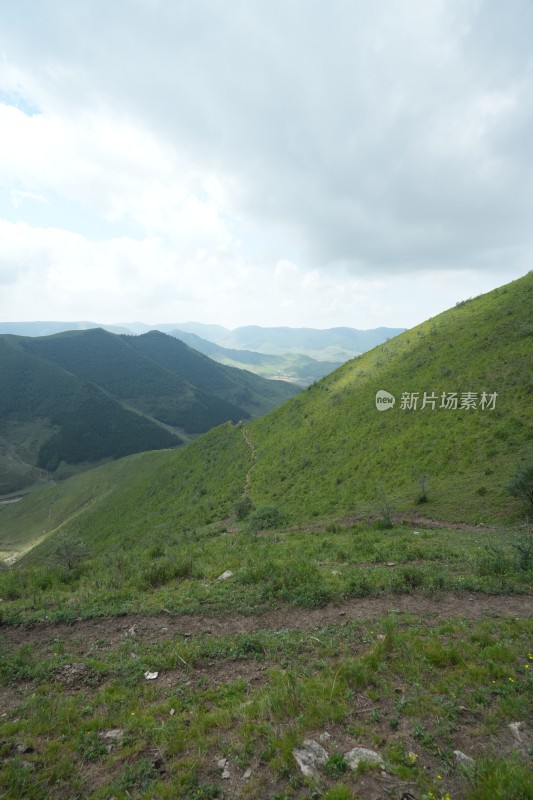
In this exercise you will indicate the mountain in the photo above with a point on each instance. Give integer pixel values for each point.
(332, 344)
(87, 395)
(48, 415)
(294, 367)
(49, 328)
(329, 453)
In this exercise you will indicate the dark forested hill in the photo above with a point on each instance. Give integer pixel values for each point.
(86, 395)
(48, 415)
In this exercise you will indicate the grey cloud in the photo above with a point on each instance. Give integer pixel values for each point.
(363, 133)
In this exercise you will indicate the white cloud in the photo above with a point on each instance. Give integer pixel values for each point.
(287, 161)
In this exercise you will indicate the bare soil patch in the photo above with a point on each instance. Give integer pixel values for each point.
(82, 634)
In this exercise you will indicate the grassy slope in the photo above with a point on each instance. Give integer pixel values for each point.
(330, 451)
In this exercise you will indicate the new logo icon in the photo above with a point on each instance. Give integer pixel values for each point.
(384, 400)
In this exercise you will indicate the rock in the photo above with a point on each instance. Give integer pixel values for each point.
(222, 764)
(362, 754)
(71, 674)
(24, 748)
(247, 774)
(518, 729)
(309, 756)
(225, 575)
(150, 676)
(462, 760)
(111, 737)
(325, 737)
(172, 712)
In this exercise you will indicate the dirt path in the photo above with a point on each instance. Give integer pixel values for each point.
(248, 481)
(154, 628)
(424, 522)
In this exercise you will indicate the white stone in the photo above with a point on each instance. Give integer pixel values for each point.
(309, 756)
(114, 735)
(362, 754)
(150, 676)
(463, 760)
(225, 575)
(518, 730)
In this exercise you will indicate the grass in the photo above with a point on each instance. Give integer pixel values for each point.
(253, 698)
(178, 571)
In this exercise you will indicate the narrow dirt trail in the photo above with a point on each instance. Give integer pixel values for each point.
(248, 480)
(160, 627)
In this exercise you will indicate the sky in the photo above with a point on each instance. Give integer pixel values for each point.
(273, 162)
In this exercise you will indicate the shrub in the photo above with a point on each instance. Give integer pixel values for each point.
(422, 496)
(521, 484)
(524, 549)
(165, 570)
(68, 553)
(265, 517)
(335, 765)
(243, 507)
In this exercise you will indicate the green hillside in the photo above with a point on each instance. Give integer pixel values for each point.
(331, 451)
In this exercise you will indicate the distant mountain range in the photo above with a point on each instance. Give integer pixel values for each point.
(299, 355)
(84, 396)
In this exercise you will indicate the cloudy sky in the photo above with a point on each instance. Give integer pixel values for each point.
(277, 162)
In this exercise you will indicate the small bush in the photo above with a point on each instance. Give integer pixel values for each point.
(521, 484)
(265, 517)
(68, 553)
(165, 570)
(524, 550)
(335, 765)
(243, 507)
